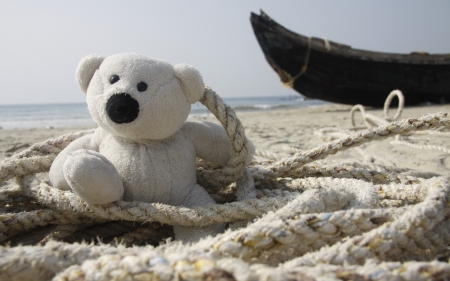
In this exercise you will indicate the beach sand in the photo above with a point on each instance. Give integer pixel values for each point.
(274, 130)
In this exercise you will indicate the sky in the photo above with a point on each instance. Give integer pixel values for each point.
(41, 42)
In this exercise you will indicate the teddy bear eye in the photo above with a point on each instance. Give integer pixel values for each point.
(141, 87)
(113, 79)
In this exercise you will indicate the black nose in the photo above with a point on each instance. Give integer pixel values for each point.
(122, 108)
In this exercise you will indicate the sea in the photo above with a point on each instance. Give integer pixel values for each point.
(77, 114)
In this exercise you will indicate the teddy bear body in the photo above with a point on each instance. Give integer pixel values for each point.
(168, 168)
(143, 149)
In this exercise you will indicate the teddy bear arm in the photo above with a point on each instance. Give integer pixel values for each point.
(212, 143)
(56, 173)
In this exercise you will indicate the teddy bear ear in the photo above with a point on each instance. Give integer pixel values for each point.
(86, 69)
(191, 82)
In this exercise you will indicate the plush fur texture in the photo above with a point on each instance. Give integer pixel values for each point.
(148, 152)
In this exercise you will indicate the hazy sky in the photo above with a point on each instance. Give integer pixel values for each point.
(42, 41)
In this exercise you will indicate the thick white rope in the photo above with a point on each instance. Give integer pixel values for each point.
(372, 121)
(284, 167)
(377, 236)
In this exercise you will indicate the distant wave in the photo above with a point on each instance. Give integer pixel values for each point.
(260, 107)
(46, 123)
(260, 104)
(240, 108)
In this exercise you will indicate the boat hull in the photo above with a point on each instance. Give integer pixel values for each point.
(338, 73)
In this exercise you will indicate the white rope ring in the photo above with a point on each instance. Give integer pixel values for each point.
(401, 105)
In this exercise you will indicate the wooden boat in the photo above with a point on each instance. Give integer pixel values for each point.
(322, 69)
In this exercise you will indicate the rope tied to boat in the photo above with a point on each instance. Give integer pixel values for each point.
(326, 44)
(308, 220)
(291, 80)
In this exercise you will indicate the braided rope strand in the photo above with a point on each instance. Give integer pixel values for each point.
(283, 167)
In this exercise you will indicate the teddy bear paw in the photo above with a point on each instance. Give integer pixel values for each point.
(93, 177)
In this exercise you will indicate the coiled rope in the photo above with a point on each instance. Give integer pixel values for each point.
(298, 219)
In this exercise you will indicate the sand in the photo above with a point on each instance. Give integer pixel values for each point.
(274, 130)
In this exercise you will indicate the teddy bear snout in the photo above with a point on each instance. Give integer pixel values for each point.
(122, 108)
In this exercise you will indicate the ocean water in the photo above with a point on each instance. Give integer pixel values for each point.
(44, 115)
(77, 114)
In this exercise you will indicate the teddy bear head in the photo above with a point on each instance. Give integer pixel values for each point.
(136, 97)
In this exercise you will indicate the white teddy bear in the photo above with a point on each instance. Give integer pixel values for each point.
(143, 149)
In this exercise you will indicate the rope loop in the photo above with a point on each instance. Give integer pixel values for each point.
(374, 121)
(401, 105)
(236, 167)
